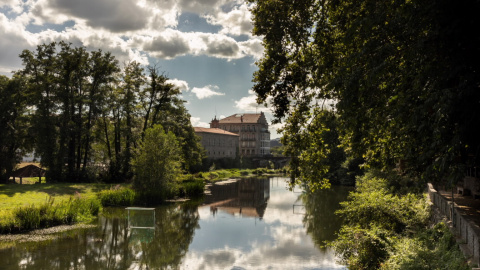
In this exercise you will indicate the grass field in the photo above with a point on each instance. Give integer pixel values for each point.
(13, 196)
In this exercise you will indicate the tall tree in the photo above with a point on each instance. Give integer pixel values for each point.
(133, 81)
(403, 74)
(65, 87)
(162, 104)
(40, 71)
(14, 123)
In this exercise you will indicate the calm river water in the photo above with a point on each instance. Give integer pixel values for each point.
(245, 224)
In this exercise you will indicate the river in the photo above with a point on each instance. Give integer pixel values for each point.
(244, 224)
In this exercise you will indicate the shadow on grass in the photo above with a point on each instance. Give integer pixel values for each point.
(51, 189)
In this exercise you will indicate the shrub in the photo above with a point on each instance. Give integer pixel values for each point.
(157, 165)
(117, 197)
(362, 248)
(192, 188)
(434, 248)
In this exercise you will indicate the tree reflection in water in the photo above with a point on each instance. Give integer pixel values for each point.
(111, 245)
(320, 220)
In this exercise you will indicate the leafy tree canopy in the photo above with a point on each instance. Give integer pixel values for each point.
(403, 76)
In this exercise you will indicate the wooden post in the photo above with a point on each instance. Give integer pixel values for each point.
(20, 180)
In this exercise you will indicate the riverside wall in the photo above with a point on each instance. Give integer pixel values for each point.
(467, 231)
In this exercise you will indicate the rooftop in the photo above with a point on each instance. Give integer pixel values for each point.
(214, 130)
(243, 118)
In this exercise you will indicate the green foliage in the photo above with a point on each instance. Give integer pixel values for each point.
(66, 88)
(315, 149)
(50, 214)
(402, 77)
(192, 187)
(157, 165)
(362, 248)
(13, 120)
(117, 197)
(387, 228)
(434, 248)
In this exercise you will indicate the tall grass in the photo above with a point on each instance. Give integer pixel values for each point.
(118, 197)
(49, 214)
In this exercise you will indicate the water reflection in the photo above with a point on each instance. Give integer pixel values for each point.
(112, 245)
(247, 197)
(248, 224)
(273, 238)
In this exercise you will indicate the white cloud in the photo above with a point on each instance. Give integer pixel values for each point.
(237, 21)
(253, 47)
(15, 6)
(206, 91)
(249, 104)
(169, 44)
(14, 39)
(200, 6)
(132, 30)
(113, 15)
(196, 122)
(182, 85)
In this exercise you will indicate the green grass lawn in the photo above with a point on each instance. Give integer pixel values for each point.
(14, 195)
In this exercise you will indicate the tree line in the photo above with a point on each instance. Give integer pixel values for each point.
(84, 116)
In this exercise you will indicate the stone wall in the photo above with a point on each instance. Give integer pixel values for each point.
(467, 232)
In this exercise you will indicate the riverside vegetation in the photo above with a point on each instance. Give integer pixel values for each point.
(387, 226)
(29, 207)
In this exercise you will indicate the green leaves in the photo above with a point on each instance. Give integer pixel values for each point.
(403, 88)
(157, 164)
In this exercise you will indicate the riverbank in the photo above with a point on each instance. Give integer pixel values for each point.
(33, 206)
(39, 235)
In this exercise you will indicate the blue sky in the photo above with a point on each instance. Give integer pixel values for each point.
(205, 47)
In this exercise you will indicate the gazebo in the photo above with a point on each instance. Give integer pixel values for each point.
(28, 171)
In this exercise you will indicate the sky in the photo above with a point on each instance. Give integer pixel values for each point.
(205, 47)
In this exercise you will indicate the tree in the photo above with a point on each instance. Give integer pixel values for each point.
(13, 120)
(65, 88)
(162, 105)
(157, 164)
(403, 76)
(315, 149)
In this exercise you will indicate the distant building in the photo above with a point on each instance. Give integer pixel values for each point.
(218, 143)
(252, 128)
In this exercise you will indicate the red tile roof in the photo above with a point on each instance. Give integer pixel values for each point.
(214, 130)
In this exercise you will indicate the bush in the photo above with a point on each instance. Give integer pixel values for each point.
(117, 197)
(192, 188)
(157, 166)
(386, 227)
(434, 248)
(362, 248)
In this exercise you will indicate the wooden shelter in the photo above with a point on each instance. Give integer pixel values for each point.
(28, 171)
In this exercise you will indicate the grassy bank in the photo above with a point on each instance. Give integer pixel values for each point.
(28, 207)
(33, 206)
(219, 175)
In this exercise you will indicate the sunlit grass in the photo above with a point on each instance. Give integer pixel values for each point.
(13, 196)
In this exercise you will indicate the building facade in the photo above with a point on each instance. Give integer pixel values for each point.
(218, 143)
(252, 129)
